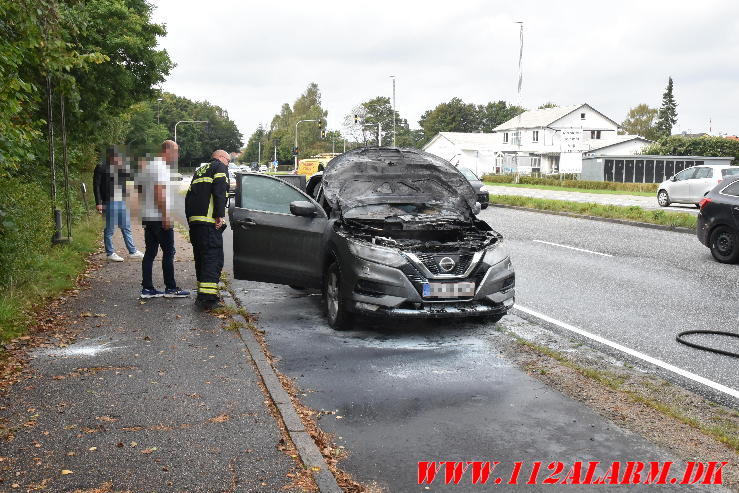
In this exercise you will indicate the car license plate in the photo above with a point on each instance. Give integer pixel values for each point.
(448, 289)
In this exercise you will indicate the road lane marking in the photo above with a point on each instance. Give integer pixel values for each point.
(649, 359)
(572, 248)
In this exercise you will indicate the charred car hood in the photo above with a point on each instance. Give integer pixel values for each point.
(373, 176)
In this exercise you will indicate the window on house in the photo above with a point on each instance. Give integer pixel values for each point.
(535, 136)
(595, 134)
(505, 137)
(517, 138)
(582, 116)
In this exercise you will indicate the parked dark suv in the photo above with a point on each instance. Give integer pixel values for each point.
(388, 232)
(718, 221)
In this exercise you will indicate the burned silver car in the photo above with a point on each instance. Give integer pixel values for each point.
(384, 232)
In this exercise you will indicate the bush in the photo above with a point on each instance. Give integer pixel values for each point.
(572, 183)
(677, 145)
(26, 224)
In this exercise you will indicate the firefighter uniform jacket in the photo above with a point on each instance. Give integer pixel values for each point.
(207, 194)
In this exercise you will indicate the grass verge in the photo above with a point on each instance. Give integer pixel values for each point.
(630, 213)
(569, 181)
(724, 430)
(51, 272)
(571, 189)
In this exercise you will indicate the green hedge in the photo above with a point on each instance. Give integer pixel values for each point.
(26, 224)
(571, 183)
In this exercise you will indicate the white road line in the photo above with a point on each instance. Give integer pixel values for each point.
(573, 248)
(683, 373)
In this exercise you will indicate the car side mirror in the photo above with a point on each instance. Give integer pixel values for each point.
(302, 208)
(673, 178)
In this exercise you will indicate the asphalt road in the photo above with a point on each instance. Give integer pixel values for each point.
(635, 286)
(398, 392)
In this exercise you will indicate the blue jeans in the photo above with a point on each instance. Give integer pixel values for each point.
(116, 214)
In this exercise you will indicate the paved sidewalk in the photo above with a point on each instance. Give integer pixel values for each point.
(153, 396)
(597, 198)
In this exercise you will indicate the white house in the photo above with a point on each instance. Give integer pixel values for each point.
(549, 140)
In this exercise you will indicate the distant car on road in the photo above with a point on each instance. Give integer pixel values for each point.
(263, 168)
(718, 221)
(690, 185)
(482, 191)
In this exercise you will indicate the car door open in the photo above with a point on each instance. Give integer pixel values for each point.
(277, 232)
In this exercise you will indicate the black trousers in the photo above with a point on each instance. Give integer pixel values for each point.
(156, 236)
(207, 247)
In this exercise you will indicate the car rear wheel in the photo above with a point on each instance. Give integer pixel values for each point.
(663, 199)
(494, 319)
(338, 317)
(725, 245)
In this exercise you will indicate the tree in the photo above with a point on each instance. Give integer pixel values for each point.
(454, 116)
(641, 121)
(548, 104)
(667, 116)
(251, 151)
(495, 113)
(677, 145)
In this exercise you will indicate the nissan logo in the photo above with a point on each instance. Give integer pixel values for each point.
(446, 264)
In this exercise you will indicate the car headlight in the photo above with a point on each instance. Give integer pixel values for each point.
(485, 188)
(374, 253)
(495, 253)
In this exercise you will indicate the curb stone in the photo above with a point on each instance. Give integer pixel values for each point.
(306, 447)
(675, 229)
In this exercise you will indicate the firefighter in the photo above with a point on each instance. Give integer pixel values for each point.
(205, 208)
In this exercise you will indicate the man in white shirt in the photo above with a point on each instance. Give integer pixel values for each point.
(153, 185)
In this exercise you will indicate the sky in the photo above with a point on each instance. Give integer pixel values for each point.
(251, 57)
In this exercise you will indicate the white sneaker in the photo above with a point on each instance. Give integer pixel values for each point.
(136, 254)
(114, 257)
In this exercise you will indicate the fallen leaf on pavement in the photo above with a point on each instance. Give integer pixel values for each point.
(220, 418)
(148, 450)
(66, 471)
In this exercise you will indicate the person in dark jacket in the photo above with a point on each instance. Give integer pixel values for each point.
(109, 186)
(205, 208)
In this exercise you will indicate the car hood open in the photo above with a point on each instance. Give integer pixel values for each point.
(384, 175)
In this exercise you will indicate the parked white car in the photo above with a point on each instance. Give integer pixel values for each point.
(690, 185)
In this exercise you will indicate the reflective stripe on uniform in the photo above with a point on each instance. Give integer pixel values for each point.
(202, 219)
(208, 284)
(210, 208)
(205, 179)
(219, 175)
(207, 291)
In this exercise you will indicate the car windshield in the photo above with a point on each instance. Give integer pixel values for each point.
(468, 174)
(730, 172)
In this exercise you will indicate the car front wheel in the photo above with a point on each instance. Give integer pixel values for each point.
(663, 199)
(338, 317)
(725, 245)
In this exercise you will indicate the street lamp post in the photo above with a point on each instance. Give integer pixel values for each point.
(296, 141)
(379, 132)
(159, 108)
(393, 77)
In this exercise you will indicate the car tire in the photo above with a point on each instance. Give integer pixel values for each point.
(663, 199)
(494, 319)
(484, 206)
(724, 245)
(338, 317)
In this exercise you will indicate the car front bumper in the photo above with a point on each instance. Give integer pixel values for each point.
(378, 290)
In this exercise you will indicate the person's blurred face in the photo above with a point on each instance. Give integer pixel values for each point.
(171, 154)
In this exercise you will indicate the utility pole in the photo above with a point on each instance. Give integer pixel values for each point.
(393, 77)
(259, 152)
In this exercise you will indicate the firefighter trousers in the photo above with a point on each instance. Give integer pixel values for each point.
(207, 247)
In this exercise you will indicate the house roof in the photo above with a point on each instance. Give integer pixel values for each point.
(543, 117)
(464, 140)
(616, 139)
